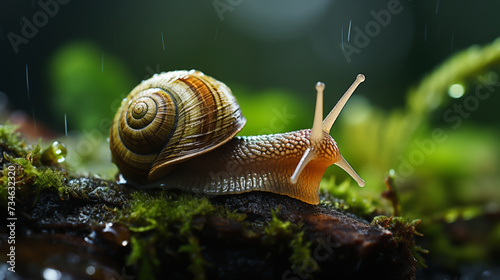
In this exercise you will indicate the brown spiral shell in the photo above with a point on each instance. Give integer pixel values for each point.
(171, 118)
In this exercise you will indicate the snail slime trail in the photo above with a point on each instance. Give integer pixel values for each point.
(188, 121)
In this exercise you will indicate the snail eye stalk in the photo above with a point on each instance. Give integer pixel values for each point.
(325, 126)
(334, 113)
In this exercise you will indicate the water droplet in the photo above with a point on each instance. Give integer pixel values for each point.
(116, 233)
(51, 274)
(121, 180)
(55, 153)
(349, 32)
(456, 90)
(65, 125)
(392, 172)
(90, 270)
(27, 82)
(162, 41)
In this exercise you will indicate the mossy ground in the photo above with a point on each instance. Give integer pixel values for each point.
(174, 220)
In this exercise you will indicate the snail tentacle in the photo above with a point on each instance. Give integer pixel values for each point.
(320, 128)
(334, 113)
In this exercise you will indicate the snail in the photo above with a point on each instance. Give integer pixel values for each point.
(178, 130)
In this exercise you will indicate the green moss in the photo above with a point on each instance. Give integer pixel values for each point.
(172, 221)
(232, 215)
(24, 176)
(4, 184)
(403, 231)
(29, 171)
(25, 168)
(143, 255)
(277, 229)
(193, 250)
(346, 197)
(45, 178)
(53, 180)
(169, 219)
(159, 212)
(37, 170)
(10, 139)
(301, 251)
(12, 152)
(34, 155)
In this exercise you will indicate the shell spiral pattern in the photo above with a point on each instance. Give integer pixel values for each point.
(170, 118)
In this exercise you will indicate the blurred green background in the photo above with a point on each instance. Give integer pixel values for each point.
(428, 109)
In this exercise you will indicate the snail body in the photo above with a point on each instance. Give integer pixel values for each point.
(177, 130)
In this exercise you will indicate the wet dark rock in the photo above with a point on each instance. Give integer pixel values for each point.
(343, 246)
